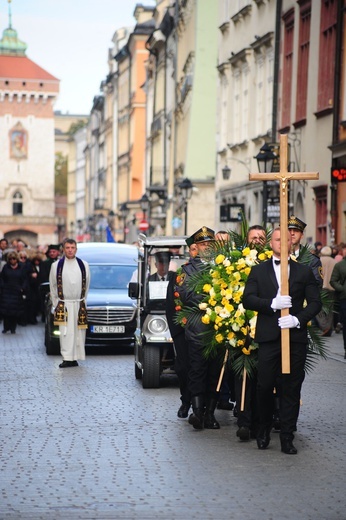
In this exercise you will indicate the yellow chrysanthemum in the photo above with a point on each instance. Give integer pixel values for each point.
(206, 319)
(219, 338)
(219, 259)
(246, 351)
(246, 251)
(206, 288)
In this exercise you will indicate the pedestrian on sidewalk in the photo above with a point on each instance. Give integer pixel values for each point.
(338, 281)
(13, 291)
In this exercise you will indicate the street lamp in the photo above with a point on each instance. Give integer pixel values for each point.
(124, 211)
(226, 173)
(145, 204)
(186, 188)
(265, 159)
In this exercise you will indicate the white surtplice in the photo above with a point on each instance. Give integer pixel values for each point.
(72, 339)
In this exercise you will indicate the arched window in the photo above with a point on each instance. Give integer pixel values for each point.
(17, 204)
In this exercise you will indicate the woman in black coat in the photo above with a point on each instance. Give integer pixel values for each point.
(13, 285)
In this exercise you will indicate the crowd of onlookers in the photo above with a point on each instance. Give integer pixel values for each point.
(22, 271)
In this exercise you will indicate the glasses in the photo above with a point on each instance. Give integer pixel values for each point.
(23, 257)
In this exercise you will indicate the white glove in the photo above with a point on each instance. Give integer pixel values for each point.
(281, 302)
(288, 322)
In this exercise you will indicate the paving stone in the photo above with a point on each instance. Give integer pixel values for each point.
(89, 443)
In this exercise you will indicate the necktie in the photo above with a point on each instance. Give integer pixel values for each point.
(162, 279)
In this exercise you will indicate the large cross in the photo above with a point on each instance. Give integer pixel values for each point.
(284, 176)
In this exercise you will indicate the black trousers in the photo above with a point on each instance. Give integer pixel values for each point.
(10, 323)
(182, 365)
(269, 373)
(204, 372)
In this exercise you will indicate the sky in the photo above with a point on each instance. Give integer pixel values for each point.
(70, 39)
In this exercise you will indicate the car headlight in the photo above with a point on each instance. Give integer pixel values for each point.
(157, 325)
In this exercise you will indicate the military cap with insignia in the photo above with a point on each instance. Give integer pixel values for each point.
(296, 223)
(204, 234)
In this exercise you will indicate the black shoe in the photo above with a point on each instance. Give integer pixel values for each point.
(263, 438)
(243, 433)
(66, 364)
(210, 422)
(345, 355)
(235, 411)
(287, 447)
(5, 331)
(183, 411)
(225, 405)
(13, 331)
(196, 419)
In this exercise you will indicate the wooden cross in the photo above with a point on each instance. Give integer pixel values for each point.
(284, 176)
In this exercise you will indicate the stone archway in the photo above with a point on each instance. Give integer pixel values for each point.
(28, 237)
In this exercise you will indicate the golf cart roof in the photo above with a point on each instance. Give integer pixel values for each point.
(161, 241)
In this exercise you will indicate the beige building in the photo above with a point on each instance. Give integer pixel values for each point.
(272, 80)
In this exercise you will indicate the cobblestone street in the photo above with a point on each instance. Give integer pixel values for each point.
(90, 443)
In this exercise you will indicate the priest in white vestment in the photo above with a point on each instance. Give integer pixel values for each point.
(69, 281)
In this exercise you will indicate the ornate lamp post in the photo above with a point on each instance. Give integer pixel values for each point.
(186, 188)
(124, 212)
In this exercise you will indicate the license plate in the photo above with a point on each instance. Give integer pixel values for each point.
(107, 329)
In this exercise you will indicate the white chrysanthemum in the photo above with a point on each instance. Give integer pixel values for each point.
(226, 262)
(235, 327)
(224, 313)
(203, 306)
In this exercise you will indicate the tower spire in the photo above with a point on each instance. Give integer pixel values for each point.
(9, 15)
(10, 44)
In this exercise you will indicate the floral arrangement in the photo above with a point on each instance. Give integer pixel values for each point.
(221, 284)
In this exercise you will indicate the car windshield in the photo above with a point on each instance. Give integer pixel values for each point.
(110, 276)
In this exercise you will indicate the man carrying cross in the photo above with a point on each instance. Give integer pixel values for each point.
(263, 294)
(281, 299)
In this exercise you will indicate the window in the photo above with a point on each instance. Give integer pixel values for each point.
(303, 60)
(321, 213)
(327, 54)
(287, 68)
(17, 205)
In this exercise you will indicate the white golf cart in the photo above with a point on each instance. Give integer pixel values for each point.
(154, 349)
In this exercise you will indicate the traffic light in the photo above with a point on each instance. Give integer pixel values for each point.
(338, 174)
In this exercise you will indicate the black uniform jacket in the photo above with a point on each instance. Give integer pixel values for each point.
(262, 287)
(190, 298)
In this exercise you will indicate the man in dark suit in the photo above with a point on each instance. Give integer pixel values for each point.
(204, 372)
(262, 294)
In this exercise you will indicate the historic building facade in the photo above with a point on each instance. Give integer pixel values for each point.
(27, 96)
